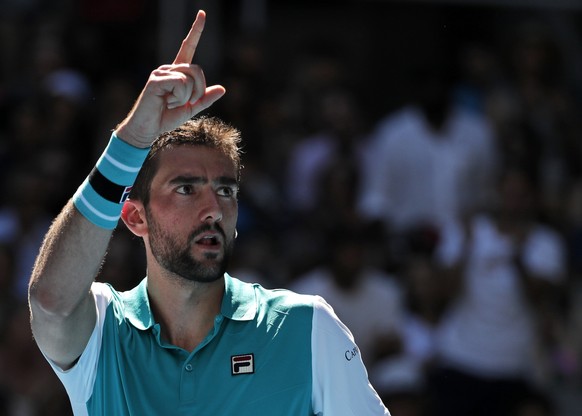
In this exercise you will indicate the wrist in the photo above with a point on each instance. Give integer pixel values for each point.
(101, 196)
(125, 133)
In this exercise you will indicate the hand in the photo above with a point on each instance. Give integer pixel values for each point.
(172, 95)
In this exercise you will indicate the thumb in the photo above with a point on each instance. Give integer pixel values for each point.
(211, 95)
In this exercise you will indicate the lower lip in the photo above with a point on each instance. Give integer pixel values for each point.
(209, 247)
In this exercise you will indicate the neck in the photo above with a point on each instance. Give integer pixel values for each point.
(185, 310)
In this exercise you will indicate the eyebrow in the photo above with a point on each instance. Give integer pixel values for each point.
(197, 180)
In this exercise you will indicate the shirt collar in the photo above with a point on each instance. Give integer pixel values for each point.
(137, 306)
(239, 303)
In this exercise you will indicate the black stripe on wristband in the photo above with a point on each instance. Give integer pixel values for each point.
(107, 189)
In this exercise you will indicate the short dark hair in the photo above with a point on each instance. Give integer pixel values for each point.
(203, 131)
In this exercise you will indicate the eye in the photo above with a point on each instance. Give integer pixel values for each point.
(185, 189)
(227, 191)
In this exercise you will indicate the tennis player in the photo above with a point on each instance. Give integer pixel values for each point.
(189, 339)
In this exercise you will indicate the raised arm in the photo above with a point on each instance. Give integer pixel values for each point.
(63, 312)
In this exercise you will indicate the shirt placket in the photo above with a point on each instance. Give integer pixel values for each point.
(190, 382)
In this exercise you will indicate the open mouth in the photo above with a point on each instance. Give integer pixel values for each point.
(209, 241)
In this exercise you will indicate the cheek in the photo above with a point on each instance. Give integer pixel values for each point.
(229, 218)
(234, 213)
(169, 220)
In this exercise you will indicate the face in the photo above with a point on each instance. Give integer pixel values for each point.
(192, 212)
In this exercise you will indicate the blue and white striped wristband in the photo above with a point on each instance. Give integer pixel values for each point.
(101, 196)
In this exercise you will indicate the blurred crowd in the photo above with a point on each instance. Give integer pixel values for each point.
(426, 180)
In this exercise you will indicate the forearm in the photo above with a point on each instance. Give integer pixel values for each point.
(68, 261)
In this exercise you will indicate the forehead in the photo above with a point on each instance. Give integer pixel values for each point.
(195, 160)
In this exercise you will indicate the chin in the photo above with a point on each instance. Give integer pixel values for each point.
(205, 271)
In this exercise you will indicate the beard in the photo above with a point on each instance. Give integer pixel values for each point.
(178, 259)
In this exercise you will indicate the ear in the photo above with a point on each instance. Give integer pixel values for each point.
(133, 215)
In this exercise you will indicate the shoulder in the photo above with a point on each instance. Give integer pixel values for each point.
(393, 126)
(132, 305)
(312, 308)
(284, 299)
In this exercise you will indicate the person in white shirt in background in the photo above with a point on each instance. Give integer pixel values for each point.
(509, 267)
(367, 299)
(429, 161)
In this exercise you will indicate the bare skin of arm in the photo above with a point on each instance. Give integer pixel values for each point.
(62, 308)
(63, 312)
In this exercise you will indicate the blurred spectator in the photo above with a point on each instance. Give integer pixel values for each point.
(480, 73)
(430, 161)
(548, 109)
(401, 379)
(339, 135)
(367, 300)
(494, 342)
(291, 109)
(337, 188)
(426, 299)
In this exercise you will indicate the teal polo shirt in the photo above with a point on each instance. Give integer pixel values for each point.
(259, 359)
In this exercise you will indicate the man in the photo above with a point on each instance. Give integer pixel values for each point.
(189, 339)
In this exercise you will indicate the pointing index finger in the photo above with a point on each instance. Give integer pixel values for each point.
(190, 42)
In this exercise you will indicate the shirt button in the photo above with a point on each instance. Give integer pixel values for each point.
(188, 367)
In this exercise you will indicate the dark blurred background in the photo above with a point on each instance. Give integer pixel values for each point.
(383, 140)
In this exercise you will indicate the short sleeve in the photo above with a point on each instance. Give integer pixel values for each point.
(79, 379)
(340, 379)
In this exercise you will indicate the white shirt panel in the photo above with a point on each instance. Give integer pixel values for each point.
(340, 380)
(79, 379)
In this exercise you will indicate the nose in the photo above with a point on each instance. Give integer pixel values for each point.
(210, 209)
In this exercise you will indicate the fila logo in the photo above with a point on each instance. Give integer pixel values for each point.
(242, 364)
(125, 194)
